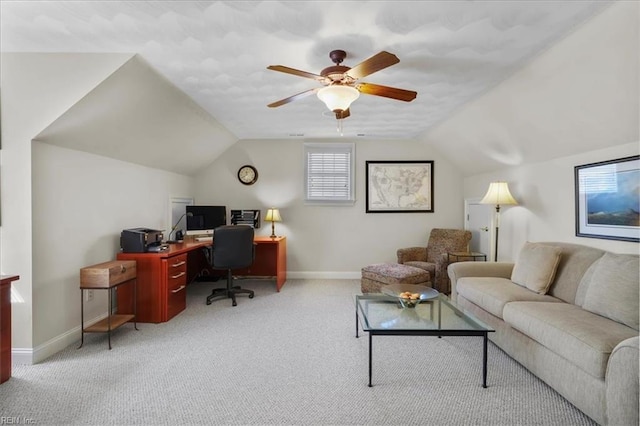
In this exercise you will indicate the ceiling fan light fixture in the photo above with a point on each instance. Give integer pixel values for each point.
(338, 97)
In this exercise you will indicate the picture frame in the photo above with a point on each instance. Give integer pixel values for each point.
(399, 186)
(607, 199)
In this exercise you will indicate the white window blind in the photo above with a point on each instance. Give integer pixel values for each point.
(329, 172)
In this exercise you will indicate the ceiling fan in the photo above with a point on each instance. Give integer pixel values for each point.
(342, 85)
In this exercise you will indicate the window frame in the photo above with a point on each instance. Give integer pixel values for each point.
(330, 147)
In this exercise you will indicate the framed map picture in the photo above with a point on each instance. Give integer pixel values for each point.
(399, 186)
(608, 199)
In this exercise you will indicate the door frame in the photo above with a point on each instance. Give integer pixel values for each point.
(491, 224)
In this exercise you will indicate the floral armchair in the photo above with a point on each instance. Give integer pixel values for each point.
(433, 257)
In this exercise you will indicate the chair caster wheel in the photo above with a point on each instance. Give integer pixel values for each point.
(234, 304)
(251, 296)
(208, 302)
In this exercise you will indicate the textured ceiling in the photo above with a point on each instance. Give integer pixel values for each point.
(217, 52)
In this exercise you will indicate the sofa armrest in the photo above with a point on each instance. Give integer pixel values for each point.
(412, 254)
(622, 383)
(459, 270)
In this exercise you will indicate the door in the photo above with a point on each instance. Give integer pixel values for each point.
(478, 220)
(177, 209)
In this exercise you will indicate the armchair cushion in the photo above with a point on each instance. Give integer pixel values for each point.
(412, 254)
(427, 266)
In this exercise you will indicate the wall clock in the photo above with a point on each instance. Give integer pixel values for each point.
(248, 175)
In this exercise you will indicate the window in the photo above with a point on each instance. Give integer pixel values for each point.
(329, 169)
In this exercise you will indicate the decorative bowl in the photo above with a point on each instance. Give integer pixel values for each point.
(410, 295)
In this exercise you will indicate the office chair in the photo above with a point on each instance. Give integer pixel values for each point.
(233, 248)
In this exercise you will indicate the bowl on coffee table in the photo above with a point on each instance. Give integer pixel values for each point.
(410, 295)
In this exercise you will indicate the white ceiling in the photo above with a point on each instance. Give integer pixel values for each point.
(217, 52)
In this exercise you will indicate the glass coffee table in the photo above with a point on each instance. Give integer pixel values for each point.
(384, 315)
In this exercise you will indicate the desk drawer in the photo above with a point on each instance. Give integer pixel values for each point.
(176, 271)
(176, 285)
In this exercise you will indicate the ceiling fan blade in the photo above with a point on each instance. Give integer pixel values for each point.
(299, 73)
(342, 114)
(375, 63)
(386, 91)
(293, 98)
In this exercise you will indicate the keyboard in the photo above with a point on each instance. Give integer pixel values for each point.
(205, 239)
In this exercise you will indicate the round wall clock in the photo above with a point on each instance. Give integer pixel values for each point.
(248, 175)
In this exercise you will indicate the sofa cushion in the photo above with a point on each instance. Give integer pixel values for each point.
(536, 266)
(614, 289)
(491, 293)
(574, 262)
(575, 334)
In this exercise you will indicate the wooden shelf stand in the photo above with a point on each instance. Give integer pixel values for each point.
(108, 276)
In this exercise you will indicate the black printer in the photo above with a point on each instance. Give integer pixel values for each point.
(141, 240)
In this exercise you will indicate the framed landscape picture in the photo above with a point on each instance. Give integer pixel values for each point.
(399, 186)
(608, 199)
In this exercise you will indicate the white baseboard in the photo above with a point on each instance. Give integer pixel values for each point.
(28, 356)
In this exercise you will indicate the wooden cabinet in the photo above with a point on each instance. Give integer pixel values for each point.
(5, 326)
(270, 260)
(162, 283)
(176, 268)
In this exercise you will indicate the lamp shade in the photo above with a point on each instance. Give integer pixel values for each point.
(338, 97)
(498, 194)
(273, 215)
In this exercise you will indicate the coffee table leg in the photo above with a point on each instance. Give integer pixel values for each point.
(484, 360)
(370, 358)
(357, 322)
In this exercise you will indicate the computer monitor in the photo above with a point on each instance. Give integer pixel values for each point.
(205, 219)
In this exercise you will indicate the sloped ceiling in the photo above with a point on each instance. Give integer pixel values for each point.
(582, 95)
(137, 115)
(451, 53)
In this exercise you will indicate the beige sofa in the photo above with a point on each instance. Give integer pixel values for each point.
(569, 314)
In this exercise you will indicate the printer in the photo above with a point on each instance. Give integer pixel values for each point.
(141, 240)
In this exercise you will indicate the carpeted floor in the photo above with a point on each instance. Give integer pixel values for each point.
(281, 358)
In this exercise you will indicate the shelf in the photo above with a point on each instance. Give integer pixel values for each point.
(103, 325)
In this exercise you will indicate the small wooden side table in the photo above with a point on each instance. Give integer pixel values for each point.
(460, 256)
(5, 326)
(107, 276)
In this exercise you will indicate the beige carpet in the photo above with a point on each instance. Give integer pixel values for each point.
(280, 358)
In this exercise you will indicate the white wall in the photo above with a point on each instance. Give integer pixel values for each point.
(81, 202)
(36, 89)
(329, 241)
(65, 209)
(546, 202)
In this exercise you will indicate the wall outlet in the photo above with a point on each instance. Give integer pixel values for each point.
(88, 296)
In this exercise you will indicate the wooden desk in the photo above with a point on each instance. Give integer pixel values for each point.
(5, 326)
(163, 277)
(270, 261)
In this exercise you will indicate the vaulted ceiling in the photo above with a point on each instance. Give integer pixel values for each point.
(218, 52)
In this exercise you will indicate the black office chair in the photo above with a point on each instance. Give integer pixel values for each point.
(233, 248)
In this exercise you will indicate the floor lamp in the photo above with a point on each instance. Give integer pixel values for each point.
(498, 194)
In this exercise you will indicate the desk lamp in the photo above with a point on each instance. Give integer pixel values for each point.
(273, 215)
(498, 194)
(188, 214)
